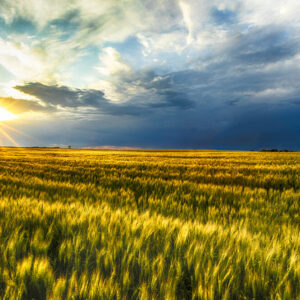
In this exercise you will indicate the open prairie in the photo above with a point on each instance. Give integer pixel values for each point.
(86, 224)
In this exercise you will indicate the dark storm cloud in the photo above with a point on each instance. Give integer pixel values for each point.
(62, 96)
(248, 51)
(244, 72)
(175, 99)
(244, 127)
(262, 126)
(263, 46)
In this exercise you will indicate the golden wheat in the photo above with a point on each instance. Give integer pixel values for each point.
(84, 224)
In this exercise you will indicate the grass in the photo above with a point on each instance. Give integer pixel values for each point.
(83, 224)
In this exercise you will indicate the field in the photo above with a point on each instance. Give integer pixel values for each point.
(84, 224)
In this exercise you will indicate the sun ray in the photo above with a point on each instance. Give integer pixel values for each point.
(15, 130)
(9, 137)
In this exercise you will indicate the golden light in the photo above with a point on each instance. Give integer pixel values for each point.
(5, 115)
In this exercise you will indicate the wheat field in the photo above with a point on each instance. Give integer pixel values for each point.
(87, 224)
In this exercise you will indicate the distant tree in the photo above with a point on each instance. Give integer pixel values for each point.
(269, 150)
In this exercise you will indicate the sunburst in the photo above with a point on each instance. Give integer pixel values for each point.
(5, 115)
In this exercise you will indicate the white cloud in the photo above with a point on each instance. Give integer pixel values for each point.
(155, 43)
(42, 60)
(261, 13)
(19, 59)
(110, 68)
(111, 62)
(186, 13)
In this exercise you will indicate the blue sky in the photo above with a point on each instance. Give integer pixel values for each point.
(151, 74)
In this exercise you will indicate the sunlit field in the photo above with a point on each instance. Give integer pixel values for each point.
(84, 224)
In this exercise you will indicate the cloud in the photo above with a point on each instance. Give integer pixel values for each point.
(19, 106)
(60, 34)
(233, 78)
(111, 62)
(62, 96)
(44, 60)
(58, 97)
(262, 126)
(277, 12)
(187, 18)
(38, 12)
(167, 73)
(263, 46)
(175, 99)
(242, 127)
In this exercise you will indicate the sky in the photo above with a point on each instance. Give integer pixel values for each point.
(184, 74)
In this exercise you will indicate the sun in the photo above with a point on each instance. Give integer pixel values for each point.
(5, 115)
